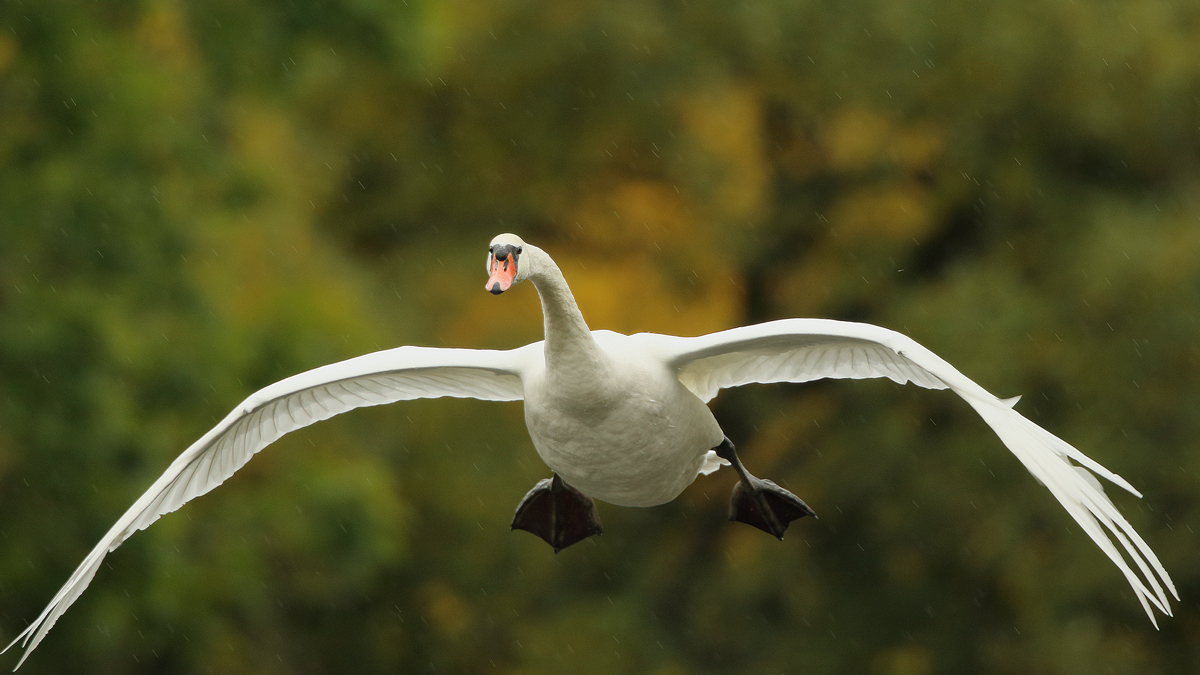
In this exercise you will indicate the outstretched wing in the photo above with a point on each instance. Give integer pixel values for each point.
(382, 377)
(800, 350)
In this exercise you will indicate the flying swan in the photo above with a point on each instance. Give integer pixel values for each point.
(623, 418)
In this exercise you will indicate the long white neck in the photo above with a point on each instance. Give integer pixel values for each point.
(569, 343)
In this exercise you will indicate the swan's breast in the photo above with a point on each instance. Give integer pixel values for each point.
(628, 433)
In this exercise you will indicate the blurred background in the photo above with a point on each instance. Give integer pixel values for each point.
(199, 199)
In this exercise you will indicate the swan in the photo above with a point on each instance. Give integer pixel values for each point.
(623, 419)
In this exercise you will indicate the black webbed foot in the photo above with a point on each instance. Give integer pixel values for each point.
(761, 503)
(558, 513)
(766, 506)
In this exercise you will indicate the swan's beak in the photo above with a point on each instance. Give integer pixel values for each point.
(503, 271)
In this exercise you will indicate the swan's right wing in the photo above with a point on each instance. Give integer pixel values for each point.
(397, 374)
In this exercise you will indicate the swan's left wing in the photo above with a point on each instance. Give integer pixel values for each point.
(801, 350)
(399, 374)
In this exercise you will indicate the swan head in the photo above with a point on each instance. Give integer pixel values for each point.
(503, 263)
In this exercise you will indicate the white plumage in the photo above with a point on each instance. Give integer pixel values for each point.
(621, 417)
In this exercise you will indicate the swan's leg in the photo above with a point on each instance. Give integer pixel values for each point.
(760, 503)
(558, 513)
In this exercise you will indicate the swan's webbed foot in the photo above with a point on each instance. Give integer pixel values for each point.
(761, 503)
(558, 513)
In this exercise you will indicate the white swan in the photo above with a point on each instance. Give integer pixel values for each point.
(623, 419)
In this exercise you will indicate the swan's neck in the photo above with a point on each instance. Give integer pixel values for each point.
(569, 343)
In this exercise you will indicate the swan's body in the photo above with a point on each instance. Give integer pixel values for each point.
(634, 436)
(622, 418)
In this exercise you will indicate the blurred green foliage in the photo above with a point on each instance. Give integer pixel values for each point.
(198, 199)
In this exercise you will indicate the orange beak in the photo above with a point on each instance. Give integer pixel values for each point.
(503, 272)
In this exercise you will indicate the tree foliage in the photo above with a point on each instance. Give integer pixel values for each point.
(198, 199)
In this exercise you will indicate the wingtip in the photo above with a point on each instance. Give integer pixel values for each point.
(15, 640)
(1153, 621)
(23, 638)
(1046, 456)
